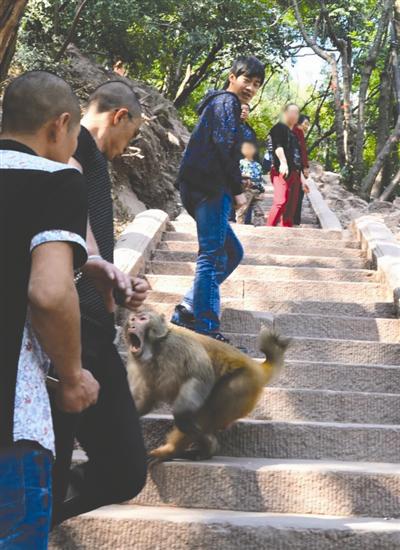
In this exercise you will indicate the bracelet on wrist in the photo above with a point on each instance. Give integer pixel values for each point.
(78, 274)
(94, 257)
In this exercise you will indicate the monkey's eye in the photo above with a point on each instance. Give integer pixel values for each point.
(143, 318)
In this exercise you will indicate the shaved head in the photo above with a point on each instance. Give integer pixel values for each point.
(36, 98)
(115, 95)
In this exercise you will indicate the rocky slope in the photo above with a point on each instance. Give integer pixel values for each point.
(348, 206)
(145, 176)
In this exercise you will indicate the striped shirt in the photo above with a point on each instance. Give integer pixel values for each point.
(95, 170)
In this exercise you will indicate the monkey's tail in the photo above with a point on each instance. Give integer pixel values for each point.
(274, 346)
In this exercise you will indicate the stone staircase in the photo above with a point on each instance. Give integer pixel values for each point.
(315, 466)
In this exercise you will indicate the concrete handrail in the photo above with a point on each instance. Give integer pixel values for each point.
(383, 249)
(138, 240)
(326, 216)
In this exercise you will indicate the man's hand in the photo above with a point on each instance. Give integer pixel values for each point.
(77, 394)
(240, 200)
(140, 289)
(283, 169)
(106, 277)
(306, 189)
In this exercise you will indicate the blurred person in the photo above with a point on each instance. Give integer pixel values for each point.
(286, 170)
(251, 173)
(300, 130)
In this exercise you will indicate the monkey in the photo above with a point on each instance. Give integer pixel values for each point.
(210, 384)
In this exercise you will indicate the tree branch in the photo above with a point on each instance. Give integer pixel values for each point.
(329, 58)
(193, 79)
(71, 31)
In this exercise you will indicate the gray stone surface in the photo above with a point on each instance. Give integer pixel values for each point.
(278, 486)
(297, 440)
(153, 528)
(270, 260)
(272, 273)
(322, 290)
(272, 238)
(325, 436)
(290, 249)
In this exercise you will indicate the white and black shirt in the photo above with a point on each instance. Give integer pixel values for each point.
(40, 201)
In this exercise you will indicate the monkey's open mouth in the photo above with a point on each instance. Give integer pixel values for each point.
(135, 343)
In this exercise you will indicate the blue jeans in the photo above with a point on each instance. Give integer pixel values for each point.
(220, 252)
(25, 497)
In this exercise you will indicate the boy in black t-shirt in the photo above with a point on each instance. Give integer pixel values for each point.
(43, 214)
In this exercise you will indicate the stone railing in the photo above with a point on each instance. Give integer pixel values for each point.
(327, 218)
(383, 249)
(138, 240)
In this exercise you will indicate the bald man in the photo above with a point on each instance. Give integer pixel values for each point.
(109, 432)
(43, 211)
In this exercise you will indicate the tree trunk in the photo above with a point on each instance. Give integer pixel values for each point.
(390, 188)
(383, 123)
(366, 72)
(11, 12)
(347, 102)
(391, 142)
(394, 137)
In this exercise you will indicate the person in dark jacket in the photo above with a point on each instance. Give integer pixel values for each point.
(210, 181)
(301, 130)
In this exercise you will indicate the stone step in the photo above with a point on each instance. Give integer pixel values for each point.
(272, 259)
(302, 405)
(271, 273)
(266, 248)
(295, 440)
(270, 239)
(300, 290)
(328, 406)
(277, 486)
(337, 377)
(131, 527)
(252, 303)
(311, 326)
(318, 375)
(342, 328)
(351, 352)
(186, 225)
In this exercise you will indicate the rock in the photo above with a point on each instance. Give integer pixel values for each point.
(348, 206)
(145, 176)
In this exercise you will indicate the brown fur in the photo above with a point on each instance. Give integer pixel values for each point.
(210, 384)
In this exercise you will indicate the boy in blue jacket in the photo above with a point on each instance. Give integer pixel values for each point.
(210, 181)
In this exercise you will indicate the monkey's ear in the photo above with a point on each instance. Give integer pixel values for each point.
(158, 327)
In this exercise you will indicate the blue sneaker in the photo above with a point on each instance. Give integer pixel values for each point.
(182, 317)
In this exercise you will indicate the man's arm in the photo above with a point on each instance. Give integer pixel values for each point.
(283, 165)
(106, 276)
(55, 317)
